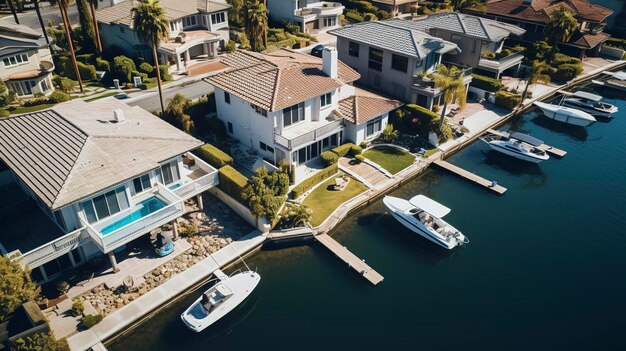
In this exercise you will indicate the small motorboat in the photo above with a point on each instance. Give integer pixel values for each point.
(220, 299)
(518, 145)
(163, 246)
(423, 216)
(590, 103)
(565, 114)
(618, 81)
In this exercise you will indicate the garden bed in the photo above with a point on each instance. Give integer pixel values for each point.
(390, 158)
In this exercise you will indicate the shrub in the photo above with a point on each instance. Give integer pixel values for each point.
(103, 65)
(232, 182)
(58, 96)
(123, 68)
(87, 72)
(87, 59)
(7, 96)
(390, 134)
(444, 133)
(508, 100)
(359, 158)
(317, 178)
(164, 70)
(416, 119)
(244, 42)
(39, 342)
(354, 16)
(566, 72)
(187, 229)
(35, 102)
(141, 75)
(488, 54)
(364, 144)
(368, 17)
(65, 84)
(355, 150)
(90, 320)
(4, 113)
(229, 46)
(146, 68)
(560, 59)
(329, 157)
(78, 307)
(214, 156)
(486, 83)
(342, 150)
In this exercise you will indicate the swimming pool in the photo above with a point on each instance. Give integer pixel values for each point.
(147, 207)
(175, 186)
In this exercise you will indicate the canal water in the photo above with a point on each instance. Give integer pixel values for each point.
(545, 268)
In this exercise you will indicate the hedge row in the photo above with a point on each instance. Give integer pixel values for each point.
(343, 150)
(508, 100)
(232, 182)
(486, 83)
(214, 156)
(317, 178)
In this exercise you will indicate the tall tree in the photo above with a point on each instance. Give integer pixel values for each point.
(152, 27)
(256, 24)
(561, 27)
(450, 81)
(43, 26)
(235, 12)
(94, 4)
(63, 4)
(538, 74)
(16, 287)
(87, 31)
(13, 11)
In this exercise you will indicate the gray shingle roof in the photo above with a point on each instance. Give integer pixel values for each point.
(74, 150)
(387, 35)
(16, 37)
(174, 9)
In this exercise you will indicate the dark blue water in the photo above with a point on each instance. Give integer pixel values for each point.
(545, 268)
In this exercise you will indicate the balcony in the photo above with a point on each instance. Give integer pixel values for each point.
(322, 8)
(197, 176)
(155, 208)
(427, 84)
(503, 60)
(301, 134)
(46, 66)
(54, 249)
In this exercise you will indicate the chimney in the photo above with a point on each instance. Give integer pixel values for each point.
(118, 115)
(329, 62)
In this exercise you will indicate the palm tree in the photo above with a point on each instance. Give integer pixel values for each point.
(43, 27)
(538, 74)
(301, 215)
(63, 4)
(450, 81)
(13, 12)
(256, 22)
(560, 28)
(93, 4)
(152, 27)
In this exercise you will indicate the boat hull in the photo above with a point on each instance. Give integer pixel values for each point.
(519, 156)
(566, 114)
(592, 111)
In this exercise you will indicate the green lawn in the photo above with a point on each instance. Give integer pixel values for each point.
(324, 200)
(430, 152)
(27, 109)
(390, 158)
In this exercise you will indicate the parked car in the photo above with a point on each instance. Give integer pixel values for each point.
(121, 96)
(317, 50)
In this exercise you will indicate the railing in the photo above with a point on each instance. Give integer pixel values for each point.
(429, 83)
(54, 249)
(309, 136)
(498, 62)
(199, 185)
(319, 8)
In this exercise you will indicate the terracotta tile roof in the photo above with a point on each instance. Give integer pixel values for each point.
(277, 80)
(588, 40)
(540, 10)
(363, 106)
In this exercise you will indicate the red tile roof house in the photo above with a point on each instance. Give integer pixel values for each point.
(534, 15)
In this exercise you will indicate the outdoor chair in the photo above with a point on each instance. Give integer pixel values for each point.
(340, 184)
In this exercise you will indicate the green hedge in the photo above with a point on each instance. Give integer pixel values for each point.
(355, 150)
(566, 72)
(58, 96)
(103, 65)
(90, 320)
(508, 100)
(485, 83)
(317, 178)
(329, 157)
(354, 16)
(343, 150)
(232, 183)
(214, 156)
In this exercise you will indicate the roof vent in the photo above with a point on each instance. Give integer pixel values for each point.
(118, 115)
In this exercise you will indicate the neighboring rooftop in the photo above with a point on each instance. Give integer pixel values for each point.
(279, 79)
(16, 37)
(395, 37)
(174, 9)
(363, 106)
(540, 10)
(75, 149)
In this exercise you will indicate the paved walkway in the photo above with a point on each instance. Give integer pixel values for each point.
(364, 172)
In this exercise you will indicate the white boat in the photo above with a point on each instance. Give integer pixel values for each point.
(590, 103)
(220, 299)
(565, 114)
(618, 81)
(424, 216)
(518, 145)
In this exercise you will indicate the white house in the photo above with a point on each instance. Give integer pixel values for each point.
(197, 30)
(312, 16)
(99, 175)
(292, 106)
(26, 61)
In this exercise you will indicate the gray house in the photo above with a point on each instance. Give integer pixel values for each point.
(312, 16)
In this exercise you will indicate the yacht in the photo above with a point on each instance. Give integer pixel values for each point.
(220, 299)
(618, 81)
(590, 103)
(518, 145)
(423, 216)
(565, 114)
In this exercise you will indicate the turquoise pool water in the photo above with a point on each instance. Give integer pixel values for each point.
(148, 206)
(175, 186)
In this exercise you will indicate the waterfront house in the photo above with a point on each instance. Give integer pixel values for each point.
(394, 59)
(311, 15)
(197, 30)
(84, 179)
(534, 15)
(397, 8)
(26, 61)
(291, 106)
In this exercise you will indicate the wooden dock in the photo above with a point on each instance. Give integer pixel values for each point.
(351, 259)
(547, 148)
(470, 176)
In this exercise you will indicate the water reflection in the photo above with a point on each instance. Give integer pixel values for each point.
(574, 132)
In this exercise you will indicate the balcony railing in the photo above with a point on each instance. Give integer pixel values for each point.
(501, 61)
(325, 8)
(46, 66)
(54, 249)
(429, 84)
(203, 183)
(308, 137)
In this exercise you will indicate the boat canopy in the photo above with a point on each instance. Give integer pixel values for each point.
(527, 139)
(588, 96)
(621, 75)
(429, 205)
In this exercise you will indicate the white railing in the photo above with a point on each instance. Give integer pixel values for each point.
(502, 63)
(53, 249)
(199, 185)
(308, 136)
(322, 7)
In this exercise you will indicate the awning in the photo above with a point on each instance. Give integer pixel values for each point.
(429, 205)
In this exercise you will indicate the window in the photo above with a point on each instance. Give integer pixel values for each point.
(399, 63)
(169, 172)
(172, 26)
(270, 149)
(44, 85)
(227, 97)
(189, 21)
(142, 183)
(325, 100)
(376, 59)
(293, 114)
(330, 21)
(15, 60)
(105, 205)
(230, 128)
(353, 49)
(259, 110)
(374, 126)
(204, 20)
(22, 88)
(263, 146)
(217, 18)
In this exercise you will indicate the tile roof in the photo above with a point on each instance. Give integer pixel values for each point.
(540, 10)
(73, 150)
(363, 106)
(121, 13)
(390, 36)
(588, 41)
(16, 37)
(277, 80)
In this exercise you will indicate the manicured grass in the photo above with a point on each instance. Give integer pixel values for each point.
(390, 158)
(27, 109)
(430, 152)
(102, 96)
(324, 199)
